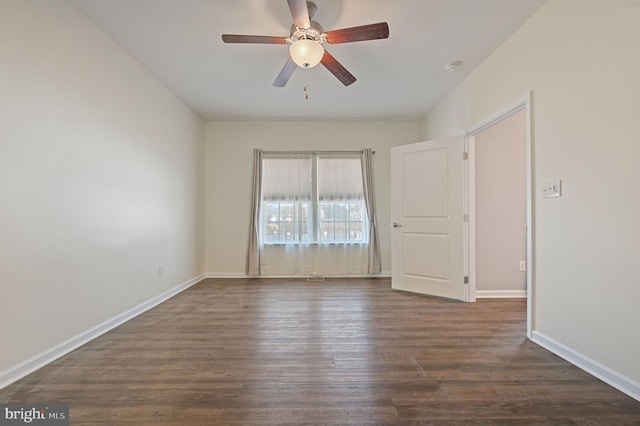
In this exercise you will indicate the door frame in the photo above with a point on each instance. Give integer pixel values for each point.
(521, 104)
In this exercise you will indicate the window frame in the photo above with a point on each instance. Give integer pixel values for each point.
(313, 213)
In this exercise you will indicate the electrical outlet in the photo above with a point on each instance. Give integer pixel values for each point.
(523, 265)
(160, 271)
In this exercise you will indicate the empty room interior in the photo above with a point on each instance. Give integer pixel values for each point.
(329, 212)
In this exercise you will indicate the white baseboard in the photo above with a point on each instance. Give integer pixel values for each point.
(32, 364)
(611, 377)
(501, 294)
(226, 275)
(241, 275)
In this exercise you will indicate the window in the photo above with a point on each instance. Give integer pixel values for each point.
(286, 222)
(312, 198)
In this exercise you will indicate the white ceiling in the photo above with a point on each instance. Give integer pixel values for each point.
(401, 77)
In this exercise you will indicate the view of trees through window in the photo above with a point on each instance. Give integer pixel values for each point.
(341, 221)
(292, 222)
(286, 222)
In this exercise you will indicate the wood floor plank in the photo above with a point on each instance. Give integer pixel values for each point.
(295, 352)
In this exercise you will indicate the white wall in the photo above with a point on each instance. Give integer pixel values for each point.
(581, 59)
(501, 207)
(229, 166)
(101, 180)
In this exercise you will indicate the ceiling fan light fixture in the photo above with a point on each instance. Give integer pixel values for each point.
(306, 53)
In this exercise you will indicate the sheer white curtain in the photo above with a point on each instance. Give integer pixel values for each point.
(286, 229)
(339, 177)
(342, 220)
(286, 178)
(313, 215)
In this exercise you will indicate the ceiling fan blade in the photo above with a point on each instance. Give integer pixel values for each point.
(300, 13)
(361, 33)
(285, 74)
(241, 38)
(337, 69)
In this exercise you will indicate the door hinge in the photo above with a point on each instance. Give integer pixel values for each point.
(465, 217)
(466, 280)
(465, 155)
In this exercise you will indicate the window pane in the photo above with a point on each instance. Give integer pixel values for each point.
(286, 222)
(303, 232)
(286, 212)
(303, 210)
(341, 231)
(356, 232)
(326, 231)
(303, 222)
(342, 221)
(326, 211)
(290, 231)
(341, 211)
(272, 232)
(356, 211)
(270, 212)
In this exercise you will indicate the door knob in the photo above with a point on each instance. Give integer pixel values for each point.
(396, 225)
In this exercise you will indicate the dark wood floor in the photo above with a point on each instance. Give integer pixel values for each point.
(280, 352)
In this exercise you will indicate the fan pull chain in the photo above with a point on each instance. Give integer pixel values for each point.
(306, 93)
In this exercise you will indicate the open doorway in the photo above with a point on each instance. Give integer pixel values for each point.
(500, 205)
(501, 209)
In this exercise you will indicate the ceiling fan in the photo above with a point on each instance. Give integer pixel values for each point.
(307, 40)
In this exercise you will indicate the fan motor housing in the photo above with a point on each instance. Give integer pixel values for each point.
(315, 32)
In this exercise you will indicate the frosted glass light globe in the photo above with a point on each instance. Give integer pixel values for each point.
(306, 53)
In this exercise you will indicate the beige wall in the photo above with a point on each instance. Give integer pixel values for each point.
(580, 58)
(101, 172)
(229, 164)
(501, 207)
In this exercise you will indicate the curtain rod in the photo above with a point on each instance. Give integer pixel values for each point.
(314, 152)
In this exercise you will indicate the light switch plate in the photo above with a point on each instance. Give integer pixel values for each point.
(552, 188)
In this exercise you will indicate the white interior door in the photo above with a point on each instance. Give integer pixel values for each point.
(427, 211)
